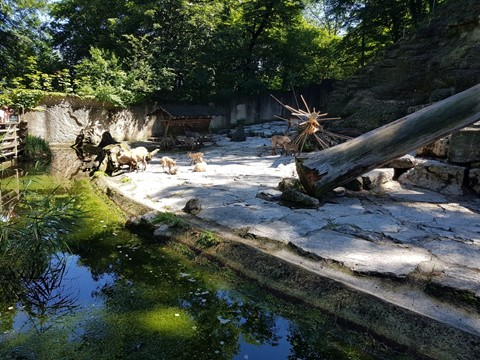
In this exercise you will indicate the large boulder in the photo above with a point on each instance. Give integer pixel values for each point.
(464, 146)
(474, 179)
(436, 149)
(436, 176)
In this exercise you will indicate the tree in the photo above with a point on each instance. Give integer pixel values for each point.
(371, 25)
(23, 35)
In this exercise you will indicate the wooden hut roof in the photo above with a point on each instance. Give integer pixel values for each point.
(185, 111)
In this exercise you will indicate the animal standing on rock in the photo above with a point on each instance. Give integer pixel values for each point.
(195, 157)
(170, 163)
(280, 141)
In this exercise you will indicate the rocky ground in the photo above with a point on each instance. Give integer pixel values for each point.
(410, 246)
(439, 60)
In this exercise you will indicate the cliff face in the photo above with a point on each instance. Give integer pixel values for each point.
(441, 59)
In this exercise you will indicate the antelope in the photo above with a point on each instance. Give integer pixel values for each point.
(279, 140)
(133, 157)
(170, 163)
(200, 167)
(195, 157)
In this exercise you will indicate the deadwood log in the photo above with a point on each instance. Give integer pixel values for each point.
(325, 170)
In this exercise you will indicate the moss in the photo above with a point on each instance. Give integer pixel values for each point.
(170, 219)
(465, 298)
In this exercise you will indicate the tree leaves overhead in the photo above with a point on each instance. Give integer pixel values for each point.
(372, 25)
(194, 50)
(23, 34)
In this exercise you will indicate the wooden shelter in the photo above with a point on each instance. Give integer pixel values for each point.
(185, 125)
(182, 119)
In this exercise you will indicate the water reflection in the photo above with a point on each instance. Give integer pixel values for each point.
(9, 192)
(45, 299)
(115, 295)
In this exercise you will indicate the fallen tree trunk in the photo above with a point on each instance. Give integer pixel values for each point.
(325, 170)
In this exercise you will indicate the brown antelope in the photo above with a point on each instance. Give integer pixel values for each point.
(281, 141)
(135, 156)
(195, 157)
(170, 163)
(200, 167)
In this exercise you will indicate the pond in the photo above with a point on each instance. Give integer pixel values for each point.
(111, 294)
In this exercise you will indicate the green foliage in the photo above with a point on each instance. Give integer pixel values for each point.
(371, 26)
(170, 219)
(139, 51)
(23, 99)
(29, 239)
(101, 76)
(208, 239)
(36, 149)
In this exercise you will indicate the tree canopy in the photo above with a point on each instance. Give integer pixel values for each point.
(132, 51)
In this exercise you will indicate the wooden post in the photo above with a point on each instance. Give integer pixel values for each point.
(322, 171)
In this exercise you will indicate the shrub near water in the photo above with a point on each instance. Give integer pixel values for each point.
(36, 148)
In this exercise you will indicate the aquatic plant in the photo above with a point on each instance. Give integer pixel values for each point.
(30, 235)
(36, 148)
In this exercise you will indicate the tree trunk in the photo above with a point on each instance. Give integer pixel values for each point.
(325, 170)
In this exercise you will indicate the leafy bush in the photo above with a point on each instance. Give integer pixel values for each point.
(208, 239)
(36, 148)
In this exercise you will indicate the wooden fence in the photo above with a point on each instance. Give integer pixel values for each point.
(12, 137)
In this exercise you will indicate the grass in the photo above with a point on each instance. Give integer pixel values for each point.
(170, 219)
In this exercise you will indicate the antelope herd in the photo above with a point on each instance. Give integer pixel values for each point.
(137, 158)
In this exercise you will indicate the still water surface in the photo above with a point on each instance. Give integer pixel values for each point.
(121, 296)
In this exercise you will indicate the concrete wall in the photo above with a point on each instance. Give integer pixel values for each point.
(261, 108)
(60, 120)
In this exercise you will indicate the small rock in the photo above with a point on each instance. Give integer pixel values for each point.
(436, 149)
(436, 176)
(163, 232)
(465, 146)
(298, 198)
(239, 134)
(269, 195)
(339, 191)
(290, 183)
(193, 206)
(474, 180)
(355, 184)
(149, 217)
(404, 162)
(375, 178)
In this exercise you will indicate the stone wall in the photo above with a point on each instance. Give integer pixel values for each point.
(60, 120)
(247, 110)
